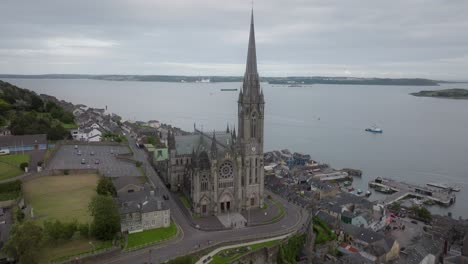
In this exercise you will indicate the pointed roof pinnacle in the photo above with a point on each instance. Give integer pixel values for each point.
(251, 67)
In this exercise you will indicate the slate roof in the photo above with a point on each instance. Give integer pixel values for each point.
(142, 202)
(9, 141)
(326, 217)
(121, 182)
(199, 141)
(363, 234)
(381, 247)
(354, 258)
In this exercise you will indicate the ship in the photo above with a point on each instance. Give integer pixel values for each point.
(444, 186)
(374, 129)
(228, 90)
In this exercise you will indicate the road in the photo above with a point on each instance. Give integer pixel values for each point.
(192, 239)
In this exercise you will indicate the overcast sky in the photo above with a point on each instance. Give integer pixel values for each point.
(363, 38)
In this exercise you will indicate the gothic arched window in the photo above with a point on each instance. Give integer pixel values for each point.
(253, 126)
(204, 183)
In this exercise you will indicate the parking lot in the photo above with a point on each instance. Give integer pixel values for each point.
(102, 158)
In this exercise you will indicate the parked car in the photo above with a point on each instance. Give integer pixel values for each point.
(83, 161)
(166, 197)
(76, 146)
(414, 222)
(91, 153)
(97, 161)
(79, 153)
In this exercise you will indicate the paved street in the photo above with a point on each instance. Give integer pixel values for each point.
(67, 158)
(193, 239)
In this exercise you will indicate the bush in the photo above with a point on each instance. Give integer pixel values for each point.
(24, 165)
(138, 164)
(40, 163)
(20, 215)
(66, 172)
(58, 230)
(84, 230)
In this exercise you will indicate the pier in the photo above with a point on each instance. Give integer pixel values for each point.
(403, 190)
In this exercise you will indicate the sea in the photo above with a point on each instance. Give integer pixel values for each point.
(423, 140)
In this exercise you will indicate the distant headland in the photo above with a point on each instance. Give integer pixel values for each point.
(290, 81)
(446, 93)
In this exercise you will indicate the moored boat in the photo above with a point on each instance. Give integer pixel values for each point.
(374, 129)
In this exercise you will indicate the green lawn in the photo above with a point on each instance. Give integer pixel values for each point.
(184, 200)
(69, 126)
(324, 233)
(151, 236)
(280, 211)
(10, 165)
(61, 197)
(68, 249)
(228, 255)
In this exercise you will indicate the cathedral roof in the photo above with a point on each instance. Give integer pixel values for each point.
(199, 141)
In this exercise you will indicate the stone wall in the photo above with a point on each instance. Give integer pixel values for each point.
(267, 255)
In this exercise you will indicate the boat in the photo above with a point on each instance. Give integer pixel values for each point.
(444, 186)
(374, 129)
(385, 190)
(228, 90)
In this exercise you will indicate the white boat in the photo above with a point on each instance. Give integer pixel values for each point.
(444, 186)
(374, 129)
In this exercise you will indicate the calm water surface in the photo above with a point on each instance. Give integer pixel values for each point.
(424, 139)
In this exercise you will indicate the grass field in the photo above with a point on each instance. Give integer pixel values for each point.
(61, 197)
(10, 165)
(151, 236)
(228, 255)
(68, 249)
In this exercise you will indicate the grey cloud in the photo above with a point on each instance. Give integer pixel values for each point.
(396, 38)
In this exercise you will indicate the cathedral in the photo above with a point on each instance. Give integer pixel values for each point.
(222, 171)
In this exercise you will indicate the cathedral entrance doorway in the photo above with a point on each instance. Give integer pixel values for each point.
(225, 203)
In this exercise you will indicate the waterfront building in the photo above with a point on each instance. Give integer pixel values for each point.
(222, 171)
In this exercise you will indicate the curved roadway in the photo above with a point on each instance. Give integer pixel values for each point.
(191, 239)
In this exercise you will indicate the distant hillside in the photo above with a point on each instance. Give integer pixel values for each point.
(272, 80)
(447, 93)
(24, 112)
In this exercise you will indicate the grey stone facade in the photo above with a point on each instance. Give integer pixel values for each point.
(141, 210)
(223, 171)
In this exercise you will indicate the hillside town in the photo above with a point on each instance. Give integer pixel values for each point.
(82, 185)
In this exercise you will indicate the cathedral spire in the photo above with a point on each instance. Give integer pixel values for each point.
(214, 148)
(251, 67)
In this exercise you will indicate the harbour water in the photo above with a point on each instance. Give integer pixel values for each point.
(424, 139)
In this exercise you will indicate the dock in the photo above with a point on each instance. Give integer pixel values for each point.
(403, 190)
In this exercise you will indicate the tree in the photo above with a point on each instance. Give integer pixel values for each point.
(25, 242)
(20, 215)
(58, 230)
(106, 187)
(106, 218)
(23, 165)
